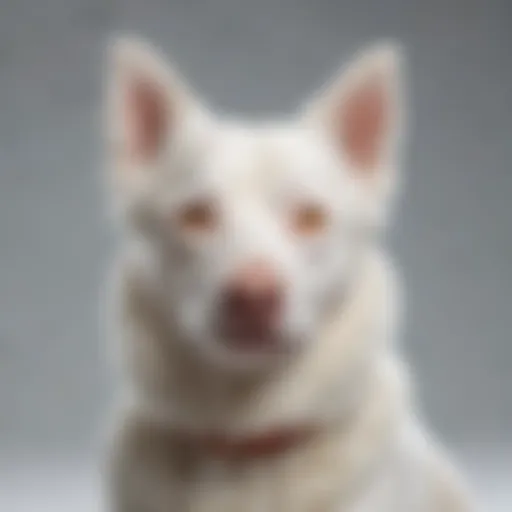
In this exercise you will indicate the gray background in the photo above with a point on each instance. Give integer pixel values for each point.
(452, 236)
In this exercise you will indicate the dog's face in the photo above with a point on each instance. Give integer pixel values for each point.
(253, 232)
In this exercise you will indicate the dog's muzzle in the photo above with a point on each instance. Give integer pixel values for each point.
(250, 308)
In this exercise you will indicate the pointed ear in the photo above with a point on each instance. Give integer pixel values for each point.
(362, 111)
(145, 103)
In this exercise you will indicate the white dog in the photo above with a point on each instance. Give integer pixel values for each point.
(256, 312)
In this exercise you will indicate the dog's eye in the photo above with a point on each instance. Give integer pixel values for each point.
(309, 219)
(198, 217)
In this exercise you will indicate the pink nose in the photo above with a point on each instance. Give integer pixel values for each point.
(251, 302)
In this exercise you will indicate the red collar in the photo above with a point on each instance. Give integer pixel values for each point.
(254, 446)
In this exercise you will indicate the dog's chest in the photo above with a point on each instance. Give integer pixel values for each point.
(256, 486)
(171, 477)
(277, 486)
(317, 477)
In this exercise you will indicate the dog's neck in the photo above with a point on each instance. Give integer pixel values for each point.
(348, 366)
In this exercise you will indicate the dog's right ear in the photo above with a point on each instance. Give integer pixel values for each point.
(146, 101)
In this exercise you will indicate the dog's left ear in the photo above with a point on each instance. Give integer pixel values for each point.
(361, 112)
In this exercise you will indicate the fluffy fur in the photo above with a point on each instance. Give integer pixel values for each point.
(337, 368)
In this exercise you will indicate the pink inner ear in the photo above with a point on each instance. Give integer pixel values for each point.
(364, 121)
(147, 118)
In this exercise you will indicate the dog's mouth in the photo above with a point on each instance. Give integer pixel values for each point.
(247, 338)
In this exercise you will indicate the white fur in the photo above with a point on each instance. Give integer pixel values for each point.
(338, 370)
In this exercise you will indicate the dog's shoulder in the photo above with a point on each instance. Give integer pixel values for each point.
(424, 471)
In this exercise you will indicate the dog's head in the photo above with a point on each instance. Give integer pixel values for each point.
(253, 230)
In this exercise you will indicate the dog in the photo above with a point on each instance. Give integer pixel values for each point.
(255, 309)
